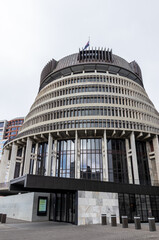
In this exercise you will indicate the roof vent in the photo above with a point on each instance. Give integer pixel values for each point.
(95, 55)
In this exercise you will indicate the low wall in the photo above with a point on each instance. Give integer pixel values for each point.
(23, 206)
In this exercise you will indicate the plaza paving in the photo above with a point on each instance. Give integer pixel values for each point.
(19, 230)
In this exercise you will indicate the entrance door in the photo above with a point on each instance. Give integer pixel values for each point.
(62, 207)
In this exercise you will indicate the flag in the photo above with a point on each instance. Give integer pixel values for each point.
(86, 46)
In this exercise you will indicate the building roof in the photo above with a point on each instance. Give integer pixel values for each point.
(90, 60)
(17, 118)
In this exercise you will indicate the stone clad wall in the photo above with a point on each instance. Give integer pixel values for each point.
(92, 204)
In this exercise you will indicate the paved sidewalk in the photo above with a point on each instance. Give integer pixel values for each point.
(19, 230)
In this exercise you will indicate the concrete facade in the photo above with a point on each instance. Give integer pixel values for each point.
(91, 120)
(23, 206)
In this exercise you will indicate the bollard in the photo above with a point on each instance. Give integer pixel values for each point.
(152, 225)
(104, 219)
(3, 218)
(113, 220)
(137, 222)
(124, 222)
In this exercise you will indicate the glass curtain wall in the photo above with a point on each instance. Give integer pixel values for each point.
(41, 159)
(138, 205)
(17, 169)
(65, 163)
(51, 170)
(62, 207)
(142, 160)
(91, 159)
(18, 163)
(117, 162)
(32, 158)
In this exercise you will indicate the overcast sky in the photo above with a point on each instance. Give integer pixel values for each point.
(32, 32)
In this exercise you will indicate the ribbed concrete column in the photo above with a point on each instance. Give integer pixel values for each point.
(156, 150)
(105, 157)
(27, 156)
(35, 159)
(130, 174)
(12, 161)
(152, 166)
(54, 159)
(3, 166)
(77, 156)
(48, 160)
(134, 158)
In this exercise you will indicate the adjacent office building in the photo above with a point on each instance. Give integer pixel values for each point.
(2, 135)
(89, 144)
(8, 131)
(12, 128)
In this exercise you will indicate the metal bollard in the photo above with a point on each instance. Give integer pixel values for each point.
(104, 219)
(113, 220)
(3, 218)
(137, 222)
(152, 225)
(124, 222)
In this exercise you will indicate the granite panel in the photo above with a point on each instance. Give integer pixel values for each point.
(92, 204)
(81, 194)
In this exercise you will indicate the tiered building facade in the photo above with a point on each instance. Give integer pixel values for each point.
(90, 140)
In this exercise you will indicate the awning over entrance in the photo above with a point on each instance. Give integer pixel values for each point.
(36, 183)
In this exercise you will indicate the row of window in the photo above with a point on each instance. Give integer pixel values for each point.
(117, 161)
(15, 123)
(91, 166)
(92, 111)
(144, 173)
(12, 129)
(65, 161)
(94, 123)
(91, 159)
(12, 137)
(1, 124)
(11, 133)
(92, 89)
(90, 100)
(138, 205)
(91, 78)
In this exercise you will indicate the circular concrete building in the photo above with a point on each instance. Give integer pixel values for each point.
(90, 140)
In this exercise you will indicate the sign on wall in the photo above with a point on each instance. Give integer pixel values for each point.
(42, 206)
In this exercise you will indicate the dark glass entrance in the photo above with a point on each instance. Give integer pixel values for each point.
(117, 163)
(62, 207)
(142, 160)
(138, 205)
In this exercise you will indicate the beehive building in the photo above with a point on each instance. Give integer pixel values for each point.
(89, 144)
